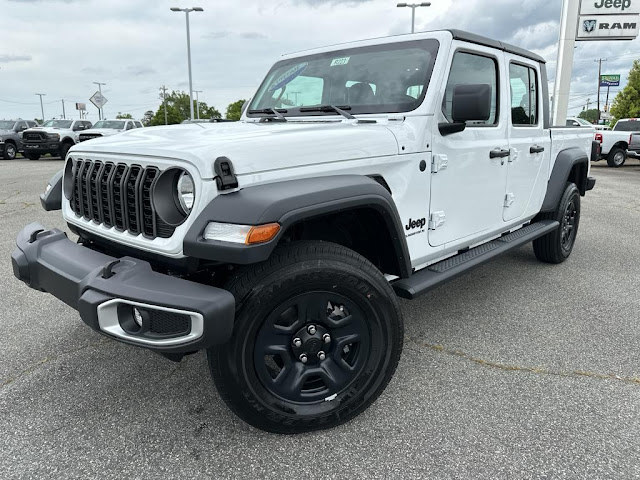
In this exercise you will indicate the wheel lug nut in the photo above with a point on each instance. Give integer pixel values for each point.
(303, 358)
(327, 338)
(311, 329)
(321, 355)
(297, 342)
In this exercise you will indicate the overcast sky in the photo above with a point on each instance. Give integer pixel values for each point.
(59, 47)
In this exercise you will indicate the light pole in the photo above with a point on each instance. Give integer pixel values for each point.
(100, 90)
(41, 107)
(187, 11)
(413, 7)
(197, 103)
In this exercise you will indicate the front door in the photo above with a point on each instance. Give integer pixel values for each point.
(470, 172)
(529, 141)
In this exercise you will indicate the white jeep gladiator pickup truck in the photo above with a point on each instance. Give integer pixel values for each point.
(615, 143)
(55, 137)
(359, 173)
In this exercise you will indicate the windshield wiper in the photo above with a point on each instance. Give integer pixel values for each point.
(277, 113)
(330, 108)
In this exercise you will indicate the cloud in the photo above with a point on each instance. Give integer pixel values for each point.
(139, 70)
(225, 34)
(94, 70)
(14, 58)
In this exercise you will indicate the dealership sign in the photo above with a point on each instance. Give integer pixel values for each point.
(608, 20)
(609, 80)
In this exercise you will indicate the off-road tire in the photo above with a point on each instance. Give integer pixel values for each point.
(64, 148)
(556, 247)
(293, 273)
(9, 151)
(616, 158)
(32, 156)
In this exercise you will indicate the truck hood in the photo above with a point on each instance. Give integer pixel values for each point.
(252, 147)
(47, 129)
(102, 131)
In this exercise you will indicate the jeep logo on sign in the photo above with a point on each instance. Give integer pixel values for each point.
(623, 4)
(589, 25)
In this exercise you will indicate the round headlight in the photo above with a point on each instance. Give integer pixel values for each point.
(186, 191)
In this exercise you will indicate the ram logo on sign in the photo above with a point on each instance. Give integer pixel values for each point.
(608, 27)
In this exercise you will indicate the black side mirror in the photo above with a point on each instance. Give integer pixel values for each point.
(470, 103)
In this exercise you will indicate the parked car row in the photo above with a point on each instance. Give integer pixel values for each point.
(55, 137)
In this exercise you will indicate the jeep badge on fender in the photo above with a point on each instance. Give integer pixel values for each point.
(276, 243)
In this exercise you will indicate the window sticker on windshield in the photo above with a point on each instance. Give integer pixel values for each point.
(288, 76)
(339, 61)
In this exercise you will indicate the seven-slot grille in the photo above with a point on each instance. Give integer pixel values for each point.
(117, 195)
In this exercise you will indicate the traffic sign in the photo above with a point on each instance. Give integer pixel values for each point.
(610, 80)
(98, 100)
(81, 106)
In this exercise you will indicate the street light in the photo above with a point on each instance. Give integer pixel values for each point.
(413, 7)
(187, 11)
(41, 107)
(197, 103)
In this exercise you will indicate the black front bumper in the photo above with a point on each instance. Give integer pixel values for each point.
(86, 280)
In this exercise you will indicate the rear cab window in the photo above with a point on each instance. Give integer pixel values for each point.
(523, 85)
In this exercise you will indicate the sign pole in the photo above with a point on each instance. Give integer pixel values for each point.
(606, 105)
(564, 67)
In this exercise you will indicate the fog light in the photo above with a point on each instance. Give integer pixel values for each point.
(137, 316)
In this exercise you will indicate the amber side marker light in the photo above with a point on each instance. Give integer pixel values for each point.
(262, 233)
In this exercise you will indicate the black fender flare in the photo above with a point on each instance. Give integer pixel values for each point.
(565, 162)
(52, 199)
(287, 203)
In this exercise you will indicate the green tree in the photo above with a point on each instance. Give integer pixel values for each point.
(123, 116)
(178, 110)
(234, 110)
(627, 102)
(590, 115)
(146, 119)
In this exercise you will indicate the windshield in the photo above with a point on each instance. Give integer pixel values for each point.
(627, 126)
(114, 124)
(7, 124)
(386, 78)
(58, 123)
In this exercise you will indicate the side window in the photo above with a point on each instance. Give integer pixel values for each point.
(138, 124)
(523, 83)
(469, 69)
(130, 126)
(22, 126)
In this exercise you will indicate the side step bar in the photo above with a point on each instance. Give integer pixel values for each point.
(441, 272)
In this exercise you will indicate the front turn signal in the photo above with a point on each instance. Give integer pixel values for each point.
(262, 233)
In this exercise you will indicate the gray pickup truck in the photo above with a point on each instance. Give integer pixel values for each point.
(11, 136)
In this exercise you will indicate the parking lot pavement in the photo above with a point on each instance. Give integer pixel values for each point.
(517, 370)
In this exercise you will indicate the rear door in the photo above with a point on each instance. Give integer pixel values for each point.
(529, 141)
(470, 174)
